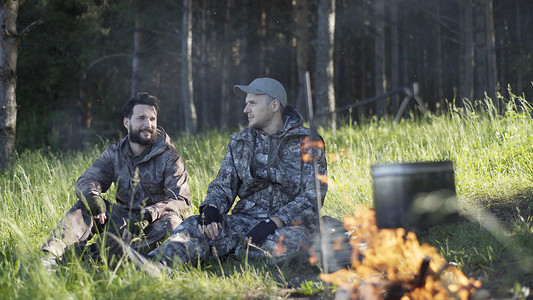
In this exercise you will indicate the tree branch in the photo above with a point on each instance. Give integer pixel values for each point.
(27, 29)
(107, 57)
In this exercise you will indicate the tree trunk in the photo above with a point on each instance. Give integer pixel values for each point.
(459, 81)
(380, 79)
(244, 77)
(480, 51)
(503, 53)
(366, 110)
(302, 48)
(324, 85)
(520, 77)
(8, 80)
(224, 97)
(243, 43)
(439, 57)
(467, 90)
(407, 46)
(262, 32)
(492, 74)
(186, 69)
(395, 50)
(204, 65)
(138, 47)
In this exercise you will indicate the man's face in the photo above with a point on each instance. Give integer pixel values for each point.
(142, 127)
(259, 111)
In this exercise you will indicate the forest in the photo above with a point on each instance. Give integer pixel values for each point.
(79, 60)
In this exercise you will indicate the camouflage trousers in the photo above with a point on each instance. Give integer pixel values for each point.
(78, 226)
(186, 244)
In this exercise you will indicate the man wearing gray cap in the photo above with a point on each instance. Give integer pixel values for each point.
(265, 166)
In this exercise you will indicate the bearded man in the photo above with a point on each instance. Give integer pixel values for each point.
(152, 196)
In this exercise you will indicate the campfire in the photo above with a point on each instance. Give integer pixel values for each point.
(392, 264)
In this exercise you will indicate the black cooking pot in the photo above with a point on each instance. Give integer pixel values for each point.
(414, 195)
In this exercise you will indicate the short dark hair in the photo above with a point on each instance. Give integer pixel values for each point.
(140, 98)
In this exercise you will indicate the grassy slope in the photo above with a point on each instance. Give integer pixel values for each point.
(491, 155)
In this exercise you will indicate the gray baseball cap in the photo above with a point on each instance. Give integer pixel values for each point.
(263, 86)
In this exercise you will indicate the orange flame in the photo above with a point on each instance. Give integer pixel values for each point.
(322, 178)
(338, 244)
(334, 157)
(280, 249)
(307, 144)
(307, 156)
(313, 258)
(391, 260)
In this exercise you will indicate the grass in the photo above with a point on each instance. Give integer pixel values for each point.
(491, 154)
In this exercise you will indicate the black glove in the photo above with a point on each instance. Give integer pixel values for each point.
(261, 231)
(96, 204)
(209, 214)
(140, 222)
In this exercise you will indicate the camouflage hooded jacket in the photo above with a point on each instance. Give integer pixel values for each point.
(269, 176)
(160, 185)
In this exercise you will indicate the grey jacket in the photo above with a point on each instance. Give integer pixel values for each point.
(269, 176)
(157, 183)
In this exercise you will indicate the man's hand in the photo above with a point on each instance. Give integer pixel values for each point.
(138, 224)
(210, 222)
(260, 232)
(101, 218)
(97, 207)
(127, 236)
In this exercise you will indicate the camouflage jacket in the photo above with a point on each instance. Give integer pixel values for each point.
(157, 183)
(269, 176)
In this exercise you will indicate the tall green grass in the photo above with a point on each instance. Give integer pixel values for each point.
(491, 154)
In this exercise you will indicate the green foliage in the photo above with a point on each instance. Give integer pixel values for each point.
(491, 155)
(52, 72)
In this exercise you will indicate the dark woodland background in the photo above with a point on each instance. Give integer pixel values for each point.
(86, 57)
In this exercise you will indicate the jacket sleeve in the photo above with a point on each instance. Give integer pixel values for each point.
(99, 177)
(304, 207)
(176, 185)
(223, 190)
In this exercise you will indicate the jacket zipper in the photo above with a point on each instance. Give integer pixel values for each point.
(269, 164)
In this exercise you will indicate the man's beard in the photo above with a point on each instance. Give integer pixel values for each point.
(135, 137)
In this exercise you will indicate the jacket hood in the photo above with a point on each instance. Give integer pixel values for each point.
(292, 118)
